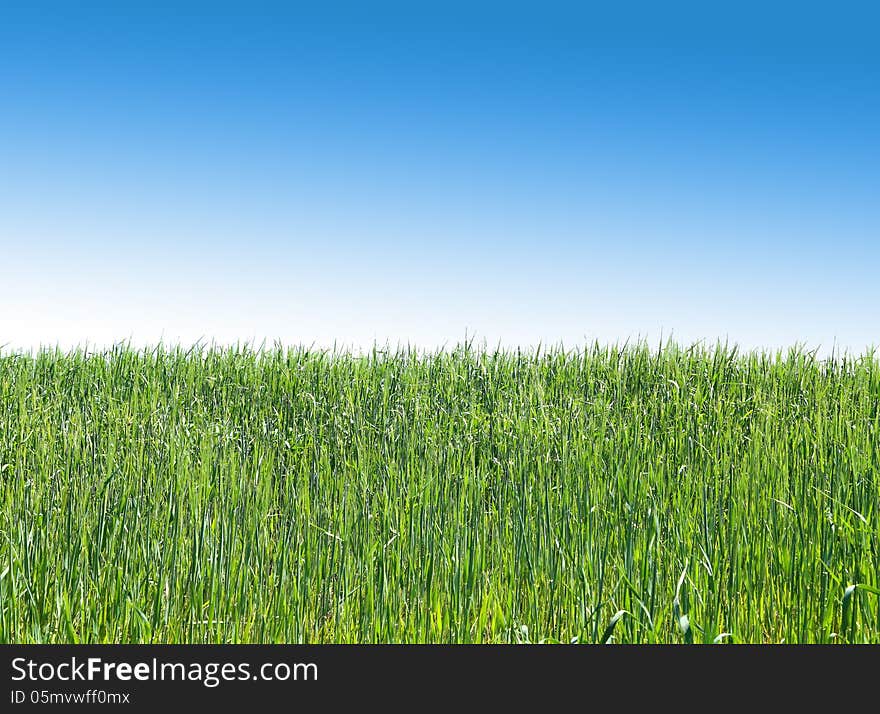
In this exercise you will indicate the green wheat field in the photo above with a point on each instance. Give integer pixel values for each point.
(607, 494)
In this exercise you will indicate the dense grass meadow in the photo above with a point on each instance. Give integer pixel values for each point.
(606, 494)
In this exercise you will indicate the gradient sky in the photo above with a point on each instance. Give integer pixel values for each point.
(413, 173)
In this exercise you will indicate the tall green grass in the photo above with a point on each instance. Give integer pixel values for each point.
(623, 495)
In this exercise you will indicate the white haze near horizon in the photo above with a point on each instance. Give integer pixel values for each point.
(99, 307)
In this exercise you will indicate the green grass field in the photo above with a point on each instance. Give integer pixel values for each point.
(622, 495)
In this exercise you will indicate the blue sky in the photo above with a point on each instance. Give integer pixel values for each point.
(521, 172)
